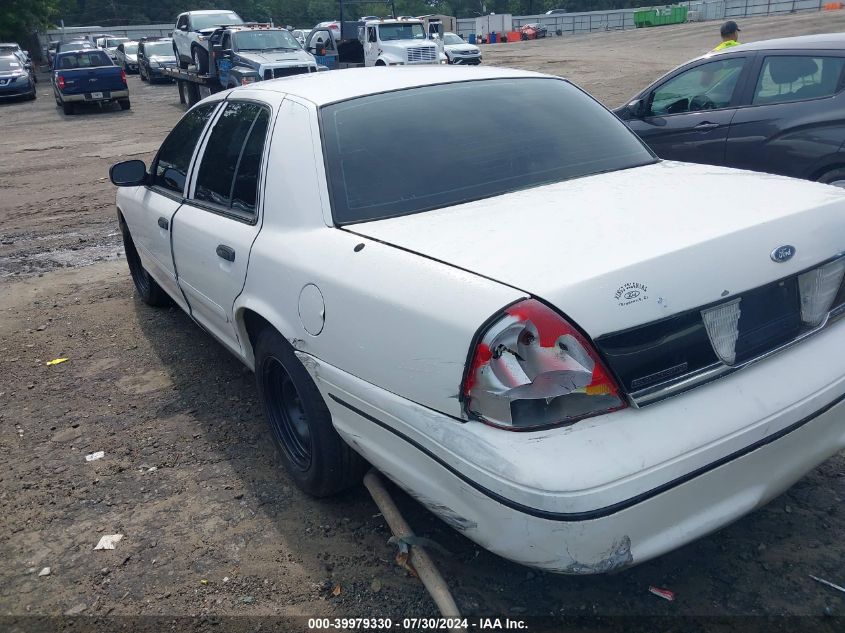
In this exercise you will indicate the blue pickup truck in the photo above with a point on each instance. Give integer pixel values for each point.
(88, 76)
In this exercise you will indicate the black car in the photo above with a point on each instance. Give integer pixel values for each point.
(154, 55)
(775, 106)
(15, 78)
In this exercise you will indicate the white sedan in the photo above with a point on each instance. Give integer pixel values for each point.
(576, 354)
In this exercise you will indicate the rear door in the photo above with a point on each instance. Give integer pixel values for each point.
(794, 124)
(152, 208)
(689, 114)
(215, 228)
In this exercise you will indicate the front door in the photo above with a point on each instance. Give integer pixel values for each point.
(215, 228)
(157, 203)
(689, 115)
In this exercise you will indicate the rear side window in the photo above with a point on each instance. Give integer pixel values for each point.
(171, 167)
(412, 150)
(785, 78)
(228, 173)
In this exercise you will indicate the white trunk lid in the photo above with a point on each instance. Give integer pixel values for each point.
(625, 248)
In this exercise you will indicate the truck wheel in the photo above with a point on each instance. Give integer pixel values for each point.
(200, 58)
(125, 104)
(835, 177)
(147, 287)
(318, 460)
(380, 63)
(68, 108)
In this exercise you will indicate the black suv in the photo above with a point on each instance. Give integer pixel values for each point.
(775, 106)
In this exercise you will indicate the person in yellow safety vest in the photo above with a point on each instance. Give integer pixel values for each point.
(730, 35)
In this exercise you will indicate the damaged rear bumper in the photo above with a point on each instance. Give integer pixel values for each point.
(522, 496)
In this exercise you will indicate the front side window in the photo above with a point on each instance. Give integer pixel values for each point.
(709, 86)
(480, 139)
(170, 169)
(785, 78)
(228, 173)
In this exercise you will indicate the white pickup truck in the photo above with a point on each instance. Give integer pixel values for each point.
(555, 341)
(383, 42)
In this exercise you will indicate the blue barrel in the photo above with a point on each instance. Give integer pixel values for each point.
(493, 37)
(472, 38)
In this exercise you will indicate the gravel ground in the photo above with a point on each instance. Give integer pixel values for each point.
(211, 523)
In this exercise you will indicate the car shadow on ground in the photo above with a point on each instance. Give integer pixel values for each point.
(736, 571)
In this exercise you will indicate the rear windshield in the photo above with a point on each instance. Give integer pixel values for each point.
(85, 59)
(116, 41)
(130, 49)
(413, 150)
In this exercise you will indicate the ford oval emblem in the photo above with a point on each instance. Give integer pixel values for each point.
(783, 253)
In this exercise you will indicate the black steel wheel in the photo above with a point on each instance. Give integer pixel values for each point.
(316, 458)
(286, 413)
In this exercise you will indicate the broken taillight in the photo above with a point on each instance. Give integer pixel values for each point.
(531, 368)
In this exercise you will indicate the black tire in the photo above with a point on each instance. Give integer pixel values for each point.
(380, 63)
(834, 176)
(68, 108)
(125, 104)
(199, 56)
(147, 287)
(317, 459)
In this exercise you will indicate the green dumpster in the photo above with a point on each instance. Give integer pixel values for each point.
(660, 16)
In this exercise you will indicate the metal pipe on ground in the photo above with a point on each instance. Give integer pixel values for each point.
(418, 557)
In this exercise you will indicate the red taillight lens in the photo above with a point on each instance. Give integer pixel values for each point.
(60, 82)
(123, 76)
(532, 369)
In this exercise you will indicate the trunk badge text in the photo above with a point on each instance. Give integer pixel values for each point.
(783, 253)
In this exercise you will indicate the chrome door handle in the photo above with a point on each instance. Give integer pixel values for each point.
(226, 252)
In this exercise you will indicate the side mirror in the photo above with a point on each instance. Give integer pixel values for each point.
(637, 109)
(129, 173)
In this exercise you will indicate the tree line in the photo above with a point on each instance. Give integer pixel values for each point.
(19, 18)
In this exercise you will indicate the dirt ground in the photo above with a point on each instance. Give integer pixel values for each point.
(211, 523)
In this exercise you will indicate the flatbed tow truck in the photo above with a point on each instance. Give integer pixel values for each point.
(240, 55)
